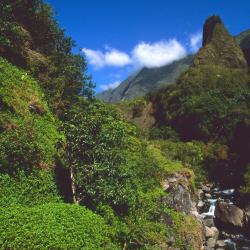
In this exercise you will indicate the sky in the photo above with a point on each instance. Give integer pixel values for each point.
(118, 37)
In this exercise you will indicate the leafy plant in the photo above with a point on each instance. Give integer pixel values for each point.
(55, 226)
(37, 188)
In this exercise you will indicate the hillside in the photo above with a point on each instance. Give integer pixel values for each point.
(145, 80)
(74, 174)
(80, 173)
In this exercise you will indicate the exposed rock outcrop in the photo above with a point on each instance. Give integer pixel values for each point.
(180, 197)
(219, 47)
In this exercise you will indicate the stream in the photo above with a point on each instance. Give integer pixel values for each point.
(226, 237)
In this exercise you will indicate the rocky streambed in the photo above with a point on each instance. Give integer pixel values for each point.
(226, 225)
(225, 221)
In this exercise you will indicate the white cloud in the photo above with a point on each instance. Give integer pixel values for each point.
(111, 57)
(110, 85)
(143, 54)
(117, 58)
(157, 54)
(195, 41)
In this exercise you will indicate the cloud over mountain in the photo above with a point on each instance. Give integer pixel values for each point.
(157, 54)
(143, 54)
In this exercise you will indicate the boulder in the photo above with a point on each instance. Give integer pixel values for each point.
(165, 185)
(230, 214)
(208, 222)
(220, 243)
(208, 196)
(200, 204)
(180, 199)
(211, 232)
(211, 242)
(205, 188)
(180, 196)
(200, 193)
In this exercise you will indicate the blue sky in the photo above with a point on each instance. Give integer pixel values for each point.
(120, 36)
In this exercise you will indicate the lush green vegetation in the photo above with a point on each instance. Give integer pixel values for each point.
(58, 144)
(211, 103)
(32, 39)
(53, 226)
(37, 188)
(49, 132)
(28, 129)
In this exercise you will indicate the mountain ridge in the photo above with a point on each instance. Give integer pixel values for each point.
(145, 80)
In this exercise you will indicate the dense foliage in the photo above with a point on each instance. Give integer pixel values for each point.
(112, 167)
(31, 38)
(37, 188)
(210, 103)
(28, 129)
(53, 226)
(58, 144)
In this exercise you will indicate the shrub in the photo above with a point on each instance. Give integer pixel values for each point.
(190, 154)
(163, 133)
(28, 129)
(109, 163)
(53, 226)
(185, 229)
(28, 190)
(113, 168)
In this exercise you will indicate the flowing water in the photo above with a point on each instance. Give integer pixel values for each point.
(234, 239)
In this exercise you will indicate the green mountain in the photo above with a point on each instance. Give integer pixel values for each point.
(219, 47)
(146, 80)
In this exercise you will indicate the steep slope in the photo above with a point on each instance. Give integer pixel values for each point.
(219, 47)
(146, 80)
(243, 40)
(28, 129)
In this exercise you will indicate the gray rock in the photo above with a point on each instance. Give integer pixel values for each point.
(180, 199)
(220, 243)
(199, 193)
(211, 232)
(208, 222)
(230, 214)
(208, 195)
(211, 242)
(172, 180)
(200, 204)
(206, 188)
(208, 248)
(165, 185)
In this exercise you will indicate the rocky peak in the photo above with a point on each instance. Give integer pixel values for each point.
(209, 27)
(219, 47)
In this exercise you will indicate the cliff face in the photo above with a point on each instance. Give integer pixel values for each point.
(219, 47)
